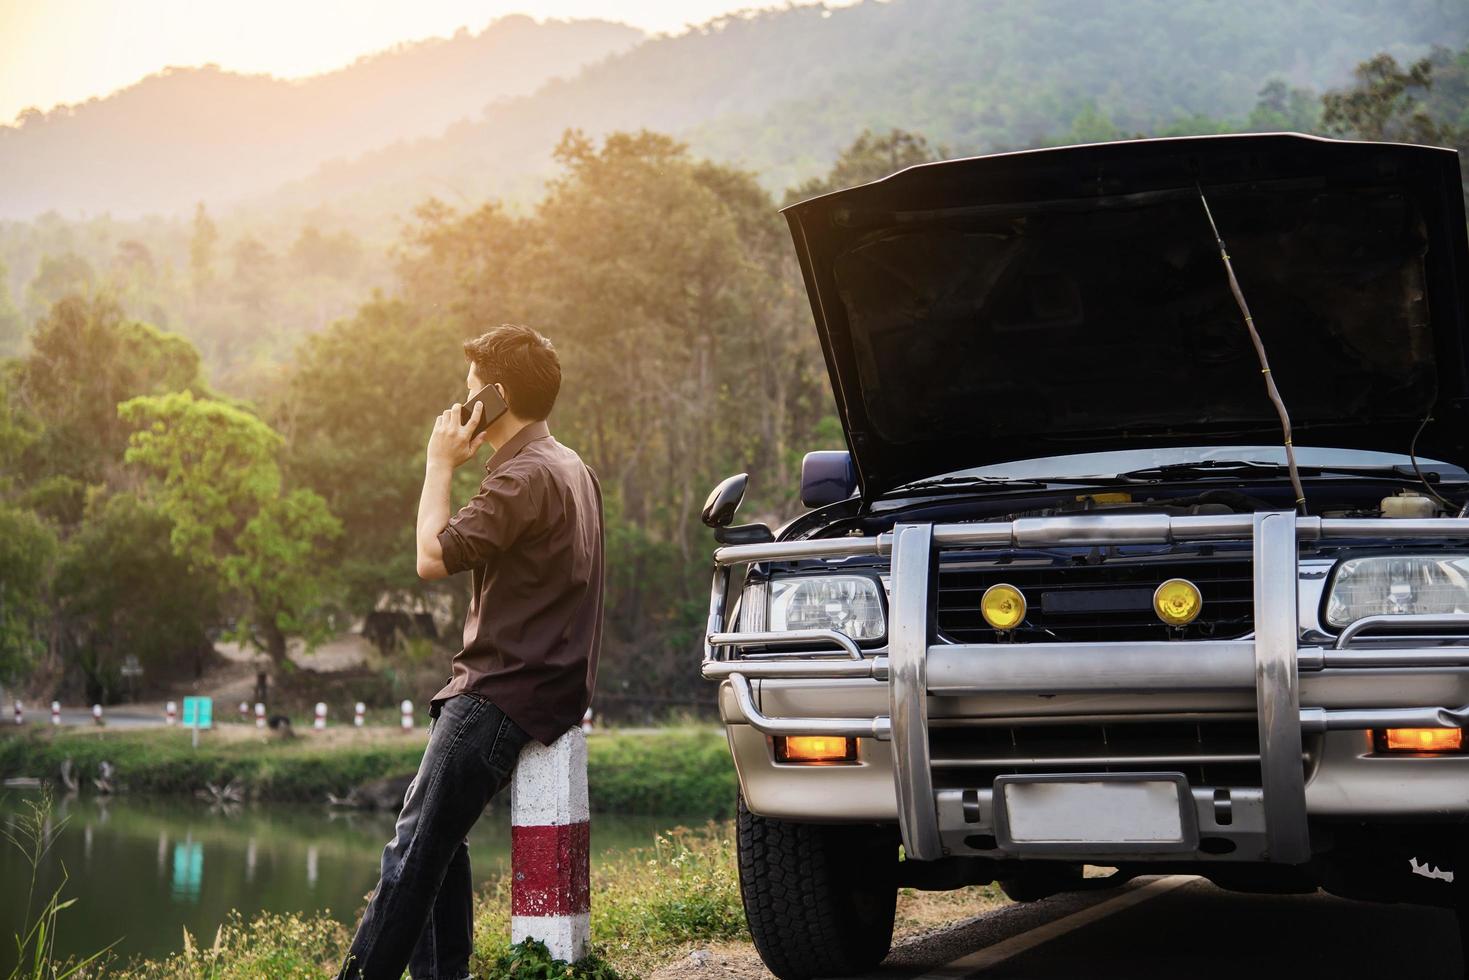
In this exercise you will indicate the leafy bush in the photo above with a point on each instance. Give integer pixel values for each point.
(529, 959)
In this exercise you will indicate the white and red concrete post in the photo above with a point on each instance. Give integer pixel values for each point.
(244, 711)
(320, 721)
(97, 714)
(358, 713)
(550, 843)
(171, 712)
(19, 712)
(55, 712)
(407, 708)
(259, 714)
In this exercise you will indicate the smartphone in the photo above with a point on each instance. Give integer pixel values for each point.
(494, 407)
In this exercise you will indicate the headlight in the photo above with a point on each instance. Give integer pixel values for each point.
(1391, 585)
(849, 603)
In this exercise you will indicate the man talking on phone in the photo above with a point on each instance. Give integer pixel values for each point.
(531, 539)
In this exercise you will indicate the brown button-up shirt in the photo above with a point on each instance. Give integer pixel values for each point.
(533, 537)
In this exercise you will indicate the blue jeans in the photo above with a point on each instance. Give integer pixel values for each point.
(421, 915)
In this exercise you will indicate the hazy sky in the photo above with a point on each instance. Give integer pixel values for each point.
(57, 51)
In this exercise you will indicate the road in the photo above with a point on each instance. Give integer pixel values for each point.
(1187, 928)
(131, 716)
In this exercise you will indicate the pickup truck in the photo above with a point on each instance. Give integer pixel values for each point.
(1077, 593)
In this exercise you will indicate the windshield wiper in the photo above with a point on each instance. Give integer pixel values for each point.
(1226, 467)
(967, 482)
(962, 482)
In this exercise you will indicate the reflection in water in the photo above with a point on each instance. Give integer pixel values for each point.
(188, 871)
(137, 866)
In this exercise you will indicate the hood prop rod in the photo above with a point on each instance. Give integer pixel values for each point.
(1270, 389)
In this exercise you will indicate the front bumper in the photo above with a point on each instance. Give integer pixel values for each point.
(1311, 705)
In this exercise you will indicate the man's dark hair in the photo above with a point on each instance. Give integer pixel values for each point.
(522, 360)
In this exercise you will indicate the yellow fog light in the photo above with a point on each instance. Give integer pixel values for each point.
(815, 748)
(1178, 602)
(1002, 606)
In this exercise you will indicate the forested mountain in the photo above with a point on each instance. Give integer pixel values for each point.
(780, 92)
(190, 133)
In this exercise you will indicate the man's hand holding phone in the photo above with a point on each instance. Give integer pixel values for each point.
(453, 441)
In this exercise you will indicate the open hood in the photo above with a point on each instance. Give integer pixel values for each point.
(1073, 300)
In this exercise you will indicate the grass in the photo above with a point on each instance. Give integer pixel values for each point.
(680, 772)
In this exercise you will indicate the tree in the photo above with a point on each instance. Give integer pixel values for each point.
(869, 157)
(254, 267)
(278, 566)
(27, 548)
(121, 590)
(12, 325)
(215, 476)
(85, 358)
(201, 252)
(1283, 108)
(358, 411)
(1422, 103)
(335, 256)
(1385, 104)
(58, 276)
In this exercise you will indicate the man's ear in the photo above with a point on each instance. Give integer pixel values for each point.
(501, 389)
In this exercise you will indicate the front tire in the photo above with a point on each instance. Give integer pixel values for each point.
(819, 899)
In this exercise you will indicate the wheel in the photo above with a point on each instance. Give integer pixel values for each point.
(1032, 885)
(819, 899)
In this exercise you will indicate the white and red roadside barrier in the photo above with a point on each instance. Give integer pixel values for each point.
(407, 708)
(97, 714)
(244, 711)
(550, 842)
(20, 714)
(358, 713)
(259, 714)
(320, 721)
(171, 712)
(55, 712)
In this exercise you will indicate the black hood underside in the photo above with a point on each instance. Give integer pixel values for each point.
(1073, 300)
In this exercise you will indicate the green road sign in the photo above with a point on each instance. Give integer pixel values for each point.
(198, 712)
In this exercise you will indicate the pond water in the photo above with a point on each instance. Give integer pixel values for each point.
(143, 869)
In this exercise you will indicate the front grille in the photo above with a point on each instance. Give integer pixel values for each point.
(1208, 752)
(1097, 598)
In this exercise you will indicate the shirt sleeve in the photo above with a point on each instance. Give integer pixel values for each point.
(488, 524)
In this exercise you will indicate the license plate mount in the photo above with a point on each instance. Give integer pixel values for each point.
(1095, 813)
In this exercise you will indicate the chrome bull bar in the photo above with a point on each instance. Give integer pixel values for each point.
(917, 667)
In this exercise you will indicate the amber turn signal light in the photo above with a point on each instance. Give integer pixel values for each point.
(1419, 739)
(815, 748)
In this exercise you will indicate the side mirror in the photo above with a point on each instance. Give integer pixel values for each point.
(724, 500)
(827, 476)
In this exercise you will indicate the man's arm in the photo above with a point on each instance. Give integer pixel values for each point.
(433, 517)
(450, 445)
